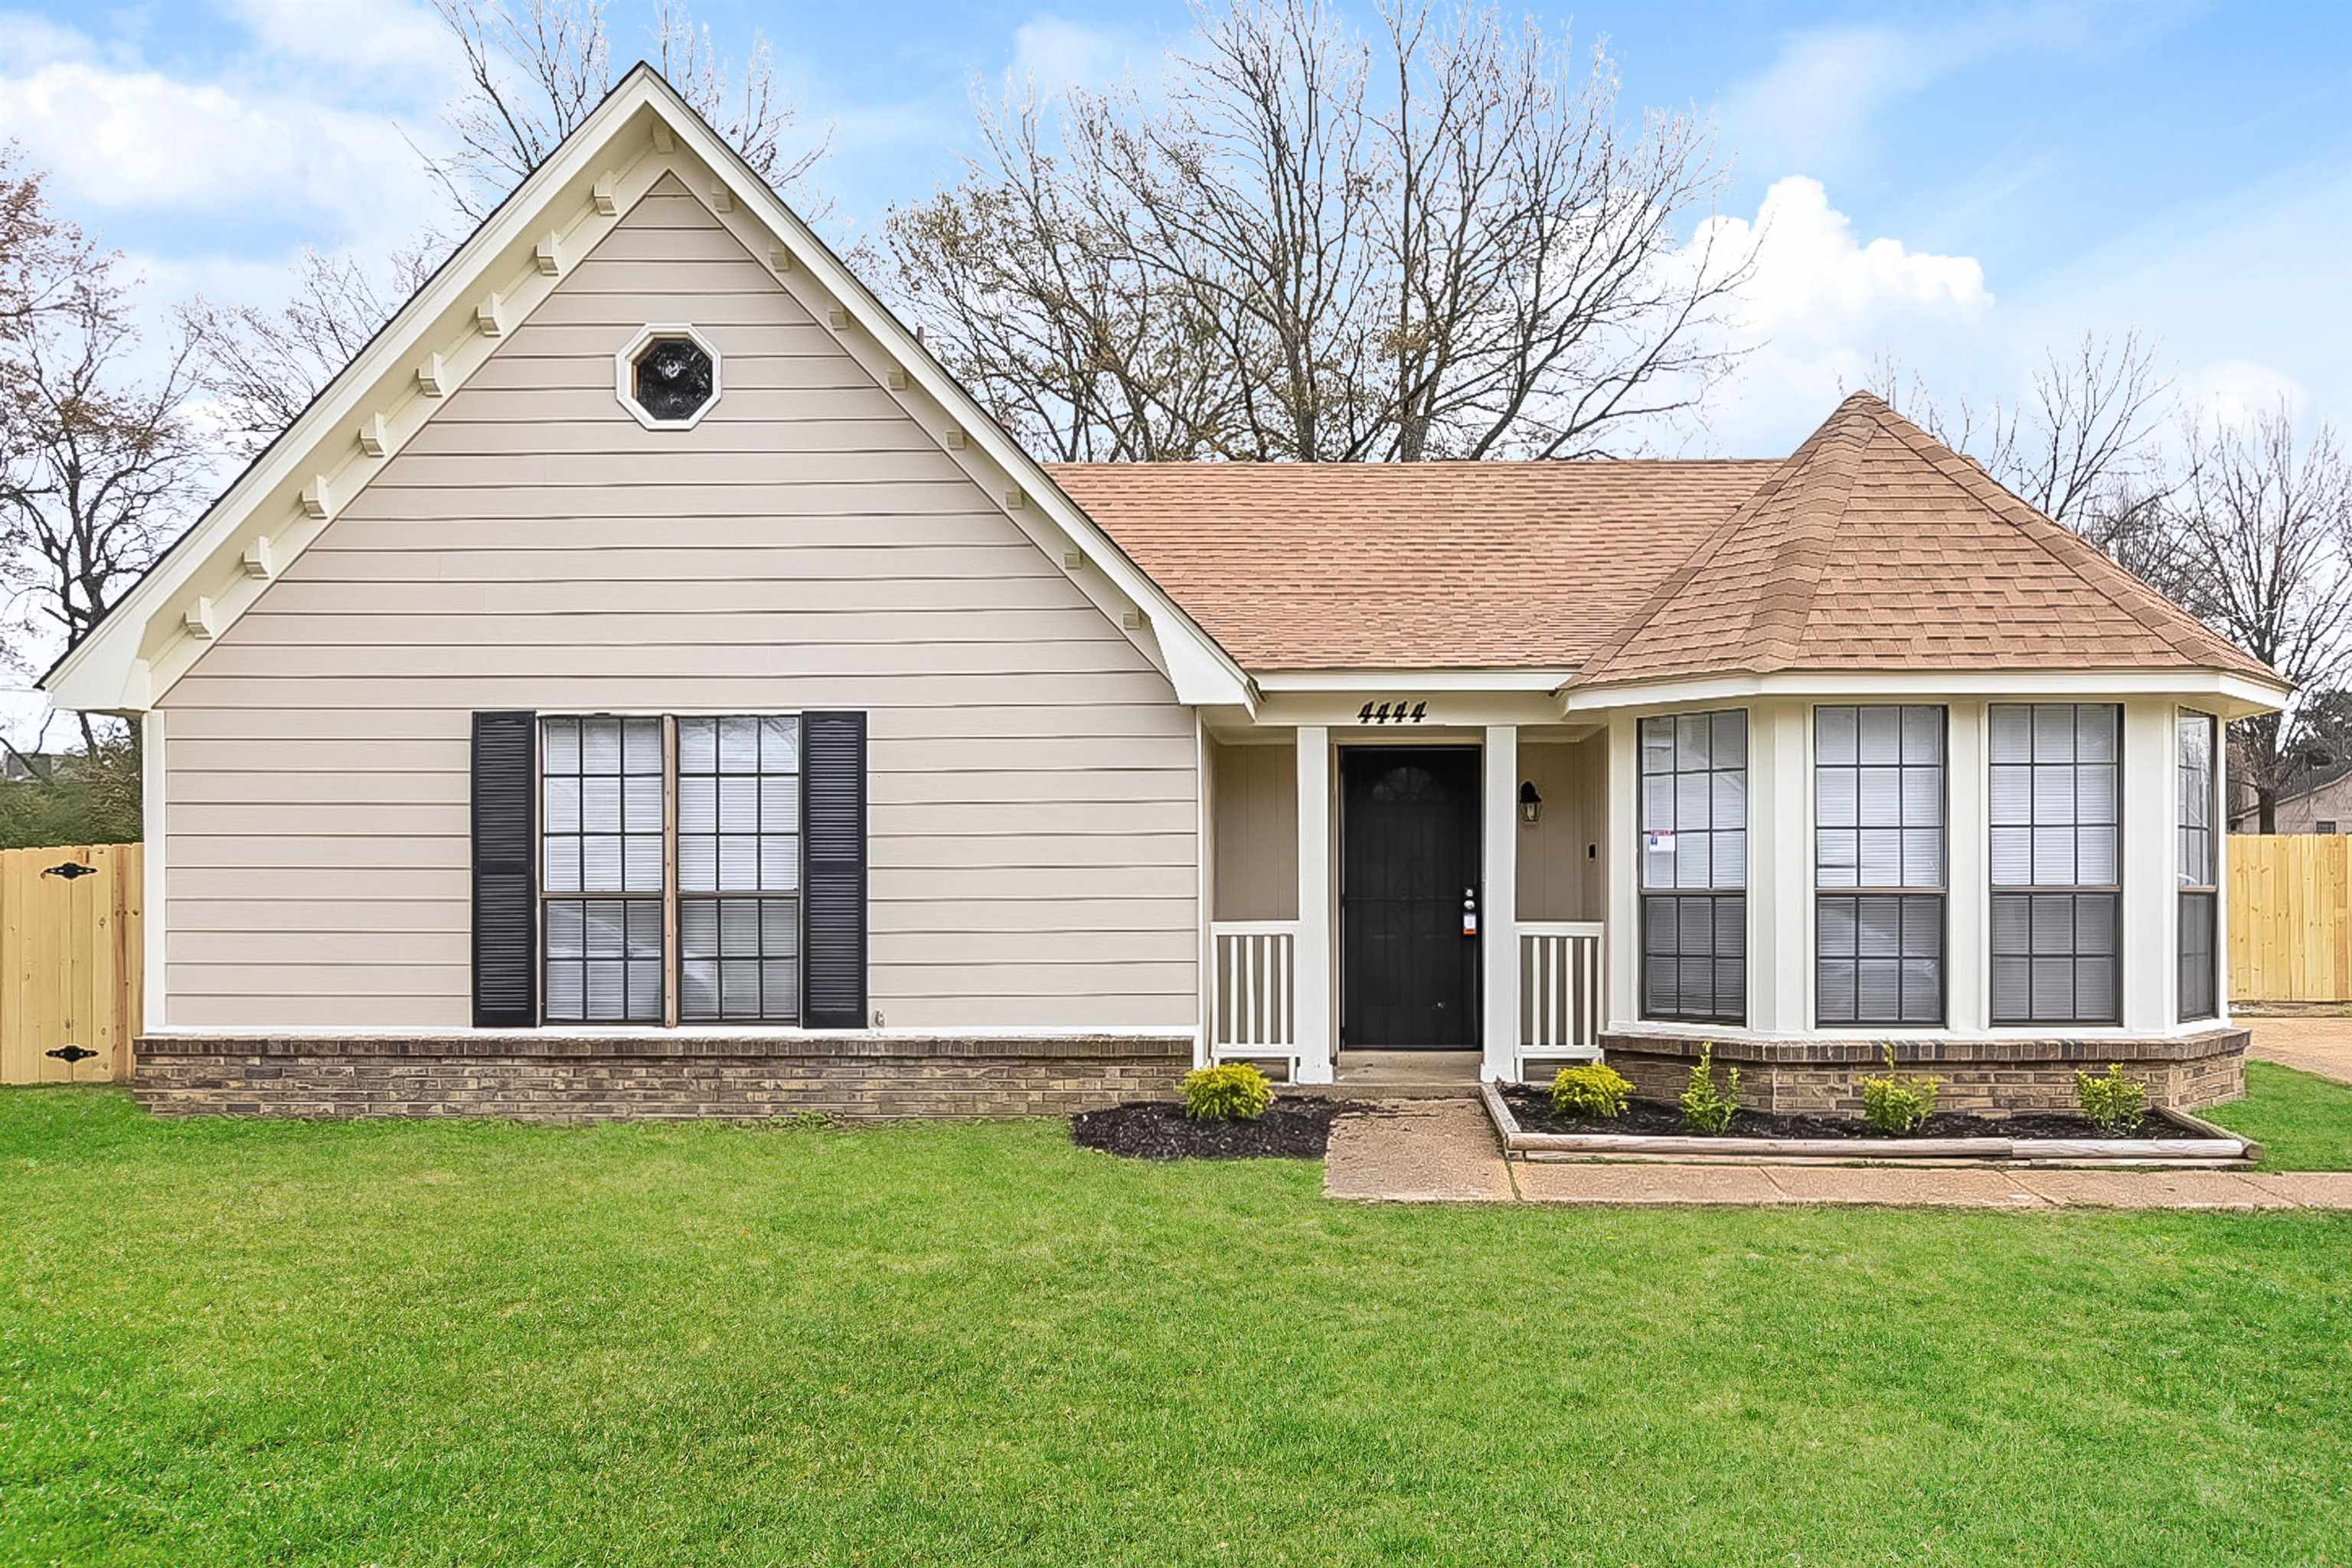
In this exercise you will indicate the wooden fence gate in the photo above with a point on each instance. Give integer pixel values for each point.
(2291, 917)
(70, 962)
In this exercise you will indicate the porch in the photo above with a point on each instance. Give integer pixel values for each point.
(1355, 936)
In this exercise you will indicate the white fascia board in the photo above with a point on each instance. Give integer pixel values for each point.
(1201, 672)
(2236, 696)
(576, 198)
(136, 654)
(1393, 681)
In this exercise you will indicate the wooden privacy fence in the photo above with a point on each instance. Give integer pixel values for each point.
(70, 962)
(2291, 917)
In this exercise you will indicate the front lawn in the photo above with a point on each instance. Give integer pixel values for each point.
(421, 1343)
(2303, 1122)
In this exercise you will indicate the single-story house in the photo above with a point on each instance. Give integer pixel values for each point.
(644, 682)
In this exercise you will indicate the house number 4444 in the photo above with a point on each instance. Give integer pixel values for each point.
(1398, 712)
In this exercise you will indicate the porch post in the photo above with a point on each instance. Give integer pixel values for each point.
(1311, 996)
(1498, 904)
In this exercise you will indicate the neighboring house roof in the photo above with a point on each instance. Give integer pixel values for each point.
(1872, 547)
(1410, 565)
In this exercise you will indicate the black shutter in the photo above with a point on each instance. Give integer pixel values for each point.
(833, 898)
(505, 946)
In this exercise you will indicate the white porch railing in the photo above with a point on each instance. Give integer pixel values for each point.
(1559, 987)
(1257, 982)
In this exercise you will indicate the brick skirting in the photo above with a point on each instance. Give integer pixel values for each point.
(2182, 1072)
(577, 1078)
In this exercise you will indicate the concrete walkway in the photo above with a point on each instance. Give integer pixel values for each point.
(2323, 1046)
(1444, 1150)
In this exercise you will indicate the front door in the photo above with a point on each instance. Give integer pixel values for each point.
(1408, 892)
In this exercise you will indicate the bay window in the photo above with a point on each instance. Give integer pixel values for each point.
(1693, 862)
(2196, 742)
(2056, 863)
(1878, 865)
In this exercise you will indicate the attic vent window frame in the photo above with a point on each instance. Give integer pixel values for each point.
(625, 372)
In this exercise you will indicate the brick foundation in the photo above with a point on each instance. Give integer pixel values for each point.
(2181, 1073)
(553, 1077)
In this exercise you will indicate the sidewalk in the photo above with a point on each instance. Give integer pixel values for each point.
(2323, 1046)
(1444, 1150)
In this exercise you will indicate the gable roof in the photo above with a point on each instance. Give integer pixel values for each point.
(641, 133)
(1875, 547)
(1410, 565)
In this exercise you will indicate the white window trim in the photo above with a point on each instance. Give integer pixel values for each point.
(624, 373)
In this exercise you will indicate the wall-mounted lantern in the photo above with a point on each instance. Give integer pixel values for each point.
(1530, 802)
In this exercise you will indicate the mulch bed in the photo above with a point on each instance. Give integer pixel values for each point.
(1532, 1107)
(1159, 1130)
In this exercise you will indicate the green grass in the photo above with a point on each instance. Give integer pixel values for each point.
(2303, 1122)
(423, 1343)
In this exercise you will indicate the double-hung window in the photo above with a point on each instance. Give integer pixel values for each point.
(2056, 873)
(1878, 865)
(739, 868)
(2199, 974)
(649, 915)
(600, 870)
(1694, 859)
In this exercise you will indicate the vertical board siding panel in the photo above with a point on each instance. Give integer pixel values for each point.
(2290, 936)
(70, 962)
(830, 547)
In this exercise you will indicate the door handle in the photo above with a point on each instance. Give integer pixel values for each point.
(1469, 911)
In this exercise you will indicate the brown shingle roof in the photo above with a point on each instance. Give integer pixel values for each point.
(1872, 547)
(1410, 565)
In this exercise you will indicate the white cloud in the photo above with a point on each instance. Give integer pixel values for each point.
(1823, 304)
(2235, 392)
(141, 141)
(1056, 53)
(371, 35)
(1816, 105)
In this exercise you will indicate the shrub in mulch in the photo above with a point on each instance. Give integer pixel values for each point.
(1533, 1109)
(1159, 1130)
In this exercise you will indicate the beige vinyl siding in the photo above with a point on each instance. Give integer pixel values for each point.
(1564, 853)
(1033, 816)
(1255, 835)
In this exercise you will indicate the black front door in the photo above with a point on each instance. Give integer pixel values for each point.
(1408, 864)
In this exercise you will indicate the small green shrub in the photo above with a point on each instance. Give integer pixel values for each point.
(2114, 1103)
(1233, 1092)
(1896, 1104)
(1706, 1108)
(1591, 1091)
(811, 1121)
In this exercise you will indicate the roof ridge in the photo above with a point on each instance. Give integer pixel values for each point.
(1671, 587)
(1802, 551)
(2183, 633)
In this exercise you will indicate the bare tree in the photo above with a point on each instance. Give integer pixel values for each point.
(2263, 531)
(96, 465)
(2080, 446)
(40, 253)
(1312, 250)
(534, 69)
(262, 366)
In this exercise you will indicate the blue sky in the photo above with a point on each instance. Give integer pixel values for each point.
(1956, 185)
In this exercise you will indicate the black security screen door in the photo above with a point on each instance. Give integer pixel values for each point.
(1407, 862)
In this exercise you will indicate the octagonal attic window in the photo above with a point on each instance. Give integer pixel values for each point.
(667, 377)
